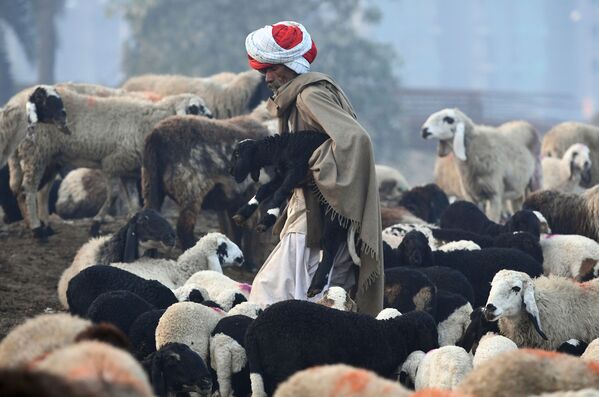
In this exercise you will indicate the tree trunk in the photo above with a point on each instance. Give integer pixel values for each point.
(45, 13)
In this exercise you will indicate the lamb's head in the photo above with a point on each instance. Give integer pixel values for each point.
(176, 368)
(414, 250)
(426, 202)
(338, 298)
(448, 126)
(227, 252)
(579, 158)
(147, 230)
(524, 221)
(544, 224)
(511, 294)
(45, 106)
(197, 107)
(243, 161)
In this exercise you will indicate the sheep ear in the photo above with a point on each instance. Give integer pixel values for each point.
(530, 304)
(459, 145)
(572, 165)
(157, 377)
(256, 175)
(131, 243)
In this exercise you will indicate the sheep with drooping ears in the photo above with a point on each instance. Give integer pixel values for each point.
(493, 165)
(570, 172)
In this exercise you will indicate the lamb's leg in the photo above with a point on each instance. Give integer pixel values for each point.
(130, 196)
(292, 179)
(185, 225)
(256, 372)
(102, 214)
(263, 192)
(333, 237)
(493, 209)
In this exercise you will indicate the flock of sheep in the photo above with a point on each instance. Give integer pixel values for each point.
(491, 273)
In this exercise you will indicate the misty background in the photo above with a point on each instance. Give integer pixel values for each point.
(398, 60)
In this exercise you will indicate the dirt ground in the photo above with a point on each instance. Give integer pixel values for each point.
(29, 270)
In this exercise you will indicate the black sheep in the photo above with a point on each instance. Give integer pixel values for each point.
(479, 266)
(450, 280)
(408, 289)
(293, 335)
(477, 328)
(467, 216)
(88, 284)
(289, 154)
(426, 202)
(142, 333)
(119, 307)
(175, 368)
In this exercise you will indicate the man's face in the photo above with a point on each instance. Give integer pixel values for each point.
(277, 75)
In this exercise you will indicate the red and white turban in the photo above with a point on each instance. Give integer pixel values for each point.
(286, 42)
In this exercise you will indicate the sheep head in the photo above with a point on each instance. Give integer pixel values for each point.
(579, 158)
(243, 161)
(147, 230)
(45, 106)
(197, 107)
(448, 126)
(414, 250)
(512, 293)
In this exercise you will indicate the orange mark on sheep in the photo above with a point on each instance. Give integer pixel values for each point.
(91, 101)
(354, 381)
(152, 96)
(541, 353)
(593, 366)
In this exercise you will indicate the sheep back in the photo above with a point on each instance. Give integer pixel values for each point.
(93, 281)
(120, 308)
(525, 372)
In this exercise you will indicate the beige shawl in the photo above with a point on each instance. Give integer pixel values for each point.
(343, 171)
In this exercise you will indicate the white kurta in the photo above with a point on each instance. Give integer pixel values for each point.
(289, 269)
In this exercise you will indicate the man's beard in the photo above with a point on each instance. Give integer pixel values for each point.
(274, 86)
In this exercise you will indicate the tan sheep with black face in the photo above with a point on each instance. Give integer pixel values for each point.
(494, 164)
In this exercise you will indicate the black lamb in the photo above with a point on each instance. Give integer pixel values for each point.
(289, 154)
(427, 202)
(142, 333)
(408, 289)
(88, 284)
(293, 335)
(175, 368)
(467, 216)
(119, 307)
(477, 328)
(479, 266)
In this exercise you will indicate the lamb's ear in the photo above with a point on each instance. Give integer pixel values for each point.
(131, 243)
(572, 165)
(157, 377)
(459, 146)
(255, 174)
(530, 305)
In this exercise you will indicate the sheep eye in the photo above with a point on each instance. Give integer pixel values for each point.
(448, 120)
(516, 289)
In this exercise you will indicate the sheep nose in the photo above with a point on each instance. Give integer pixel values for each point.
(490, 308)
(239, 260)
(425, 133)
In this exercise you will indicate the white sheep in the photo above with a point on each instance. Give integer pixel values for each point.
(559, 138)
(494, 166)
(491, 345)
(459, 246)
(215, 282)
(393, 235)
(591, 353)
(545, 311)
(566, 174)
(239, 95)
(211, 252)
(570, 255)
(338, 298)
(106, 133)
(388, 313)
(443, 368)
(37, 336)
(188, 323)
(249, 309)
(339, 380)
(100, 365)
